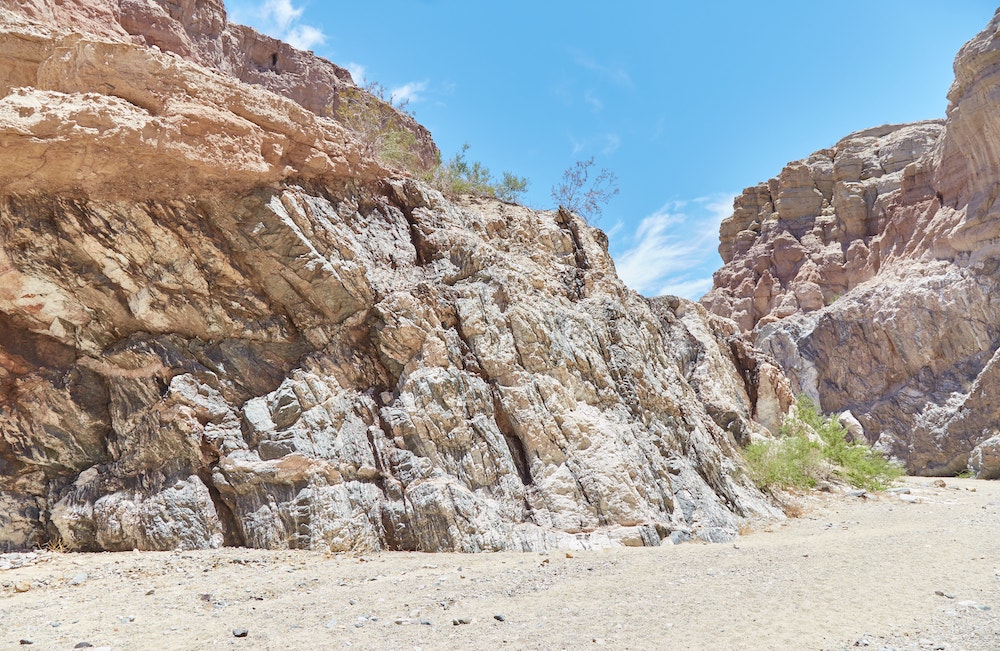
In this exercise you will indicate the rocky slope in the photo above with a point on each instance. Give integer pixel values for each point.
(870, 270)
(222, 323)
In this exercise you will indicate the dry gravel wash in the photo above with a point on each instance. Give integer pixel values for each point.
(893, 571)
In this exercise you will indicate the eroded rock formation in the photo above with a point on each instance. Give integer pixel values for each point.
(871, 270)
(220, 323)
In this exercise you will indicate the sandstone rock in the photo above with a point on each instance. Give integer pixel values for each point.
(199, 31)
(884, 301)
(221, 323)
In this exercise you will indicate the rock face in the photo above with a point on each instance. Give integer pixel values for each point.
(198, 31)
(220, 323)
(871, 270)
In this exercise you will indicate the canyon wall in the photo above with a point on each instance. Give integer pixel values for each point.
(870, 271)
(221, 322)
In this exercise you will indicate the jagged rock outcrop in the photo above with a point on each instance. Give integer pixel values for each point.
(871, 271)
(221, 323)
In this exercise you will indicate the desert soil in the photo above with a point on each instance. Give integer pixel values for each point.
(917, 570)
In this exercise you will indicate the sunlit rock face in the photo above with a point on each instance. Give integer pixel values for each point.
(870, 272)
(222, 323)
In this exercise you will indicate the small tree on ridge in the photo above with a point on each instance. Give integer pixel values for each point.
(578, 193)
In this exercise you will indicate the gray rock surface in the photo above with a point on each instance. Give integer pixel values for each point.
(258, 336)
(870, 271)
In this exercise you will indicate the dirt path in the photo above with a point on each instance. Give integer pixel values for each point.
(850, 573)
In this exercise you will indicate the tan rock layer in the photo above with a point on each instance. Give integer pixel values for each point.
(199, 31)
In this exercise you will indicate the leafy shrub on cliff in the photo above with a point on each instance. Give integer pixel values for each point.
(372, 115)
(458, 176)
(812, 447)
(374, 119)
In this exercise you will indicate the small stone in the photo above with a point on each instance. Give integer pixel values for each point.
(55, 624)
(23, 586)
(150, 591)
(353, 602)
(25, 642)
(500, 618)
(899, 490)
(240, 632)
(331, 624)
(426, 622)
(944, 594)
(83, 645)
(460, 621)
(568, 555)
(909, 499)
(857, 493)
(939, 483)
(78, 579)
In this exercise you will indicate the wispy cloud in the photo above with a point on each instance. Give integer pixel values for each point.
(616, 74)
(357, 72)
(673, 251)
(280, 19)
(593, 101)
(408, 93)
(603, 143)
(612, 141)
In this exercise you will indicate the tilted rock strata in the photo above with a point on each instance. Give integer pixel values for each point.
(221, 324)
(896, 317)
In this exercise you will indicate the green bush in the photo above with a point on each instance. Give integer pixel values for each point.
(458, 176)
(794, 460)
(785, 462)
(374, 119)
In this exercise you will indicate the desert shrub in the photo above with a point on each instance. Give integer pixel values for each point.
(373, 116)
(374, 119)
(794, 458)
(785, 462)
(458, 176)
(578, 193)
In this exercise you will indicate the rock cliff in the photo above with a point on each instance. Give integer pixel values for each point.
(222, 323)
(870, 271)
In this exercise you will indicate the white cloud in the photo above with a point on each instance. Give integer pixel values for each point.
(357, 73)
(673, 251)
(408, 93)
(304, 37)
(281, 12)
(280, 19)
(690, 289)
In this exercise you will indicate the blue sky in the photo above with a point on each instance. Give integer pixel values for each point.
(686, 102)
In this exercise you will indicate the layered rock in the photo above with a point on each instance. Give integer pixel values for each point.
(199, 31)
(871, 272)
(222, 323)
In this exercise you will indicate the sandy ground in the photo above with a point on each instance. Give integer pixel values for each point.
(893, 571)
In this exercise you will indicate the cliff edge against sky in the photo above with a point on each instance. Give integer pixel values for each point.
(870, 271)
(221, 322)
